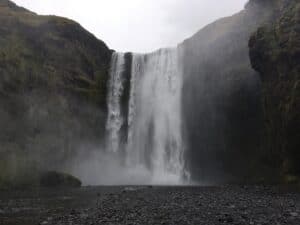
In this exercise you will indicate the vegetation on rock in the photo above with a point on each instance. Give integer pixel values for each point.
(53, 77)
(275, 54)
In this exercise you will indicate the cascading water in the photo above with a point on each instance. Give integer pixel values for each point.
(154, 134)
(115, 119)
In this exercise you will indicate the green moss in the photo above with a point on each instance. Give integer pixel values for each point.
(53, 76)
(291, 179)
(18, 171)
(274, 53)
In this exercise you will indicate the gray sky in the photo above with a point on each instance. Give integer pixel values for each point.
(138, 25)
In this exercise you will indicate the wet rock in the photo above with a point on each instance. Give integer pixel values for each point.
(54, 179)
(294, 214)
(169, 205)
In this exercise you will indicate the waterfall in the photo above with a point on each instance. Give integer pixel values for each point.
(115, 88)
(154, 134)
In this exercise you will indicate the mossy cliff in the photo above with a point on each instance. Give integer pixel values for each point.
(53, 77)
(275, 54)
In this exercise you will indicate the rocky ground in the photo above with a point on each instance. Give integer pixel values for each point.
(237, 205)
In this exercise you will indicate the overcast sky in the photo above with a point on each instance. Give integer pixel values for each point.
(138, 25)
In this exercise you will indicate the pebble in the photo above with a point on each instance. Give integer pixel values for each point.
(175, 205)
(294, 214)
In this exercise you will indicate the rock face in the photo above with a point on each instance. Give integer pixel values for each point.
(275, 54)
(221, 107)
(53, 77)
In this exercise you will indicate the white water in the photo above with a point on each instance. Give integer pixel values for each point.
(115, 90)
(154, 138)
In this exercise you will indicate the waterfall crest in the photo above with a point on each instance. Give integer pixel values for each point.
(154, 130)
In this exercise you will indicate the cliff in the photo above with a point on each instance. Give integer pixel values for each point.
(221, 107)
(53, 76)
(275, 54)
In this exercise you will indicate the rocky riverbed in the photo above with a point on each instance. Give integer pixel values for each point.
(238, 205)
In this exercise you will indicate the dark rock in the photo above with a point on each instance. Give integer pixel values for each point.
(221, 99)
(56, 179)
(275, 54)
(53, 76)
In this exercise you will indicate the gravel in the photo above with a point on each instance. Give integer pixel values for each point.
(237, 205)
